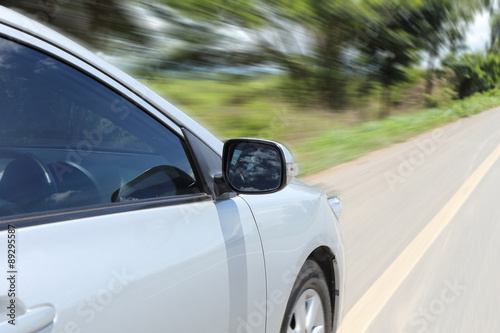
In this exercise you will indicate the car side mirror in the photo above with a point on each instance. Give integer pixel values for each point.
(255, 166)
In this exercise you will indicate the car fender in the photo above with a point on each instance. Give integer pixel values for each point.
(292, 224)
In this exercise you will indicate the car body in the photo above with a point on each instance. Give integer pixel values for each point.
(95, 240)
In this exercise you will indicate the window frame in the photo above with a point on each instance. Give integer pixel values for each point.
(141, 102)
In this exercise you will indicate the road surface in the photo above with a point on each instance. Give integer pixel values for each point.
(421, 226)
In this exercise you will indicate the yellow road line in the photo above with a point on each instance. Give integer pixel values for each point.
(362, 314)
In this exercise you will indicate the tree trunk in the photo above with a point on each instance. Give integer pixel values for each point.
(385, 105)
(429, 84)
(465, 89)
(330, 82)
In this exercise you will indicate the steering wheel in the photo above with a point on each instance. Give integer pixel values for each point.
(25, 184)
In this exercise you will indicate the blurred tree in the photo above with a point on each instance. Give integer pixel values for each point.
(494, 32)
(478, 71)
(474, 72)
(306, 39)
(318, 44)
(389, 46)
(406, 30)
(441, 24)
(97, 23)
(330, 29)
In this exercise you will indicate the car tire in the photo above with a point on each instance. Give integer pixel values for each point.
(309, 307)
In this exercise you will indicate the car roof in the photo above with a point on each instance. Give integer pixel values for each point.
(20, 22)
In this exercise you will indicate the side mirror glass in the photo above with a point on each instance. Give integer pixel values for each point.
(253, 166)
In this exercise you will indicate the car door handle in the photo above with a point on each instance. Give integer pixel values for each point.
(33, 320)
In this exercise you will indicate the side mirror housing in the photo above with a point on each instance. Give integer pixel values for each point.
(255, 166)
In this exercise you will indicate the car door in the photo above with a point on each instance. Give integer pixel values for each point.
(105, 223)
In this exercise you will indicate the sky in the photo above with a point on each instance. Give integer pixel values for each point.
(479, 32)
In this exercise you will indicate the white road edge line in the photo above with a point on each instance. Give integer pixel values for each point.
(368, 307)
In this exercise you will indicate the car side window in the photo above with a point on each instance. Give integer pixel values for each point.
(68, 141)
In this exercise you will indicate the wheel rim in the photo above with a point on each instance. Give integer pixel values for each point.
(307, 314)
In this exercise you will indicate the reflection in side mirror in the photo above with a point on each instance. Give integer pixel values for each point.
(253, 166)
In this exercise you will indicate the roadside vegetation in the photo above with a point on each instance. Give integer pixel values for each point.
(332, 147)
(333, 79)
(235, 106)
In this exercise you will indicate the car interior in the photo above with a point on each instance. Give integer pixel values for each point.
(68, 141)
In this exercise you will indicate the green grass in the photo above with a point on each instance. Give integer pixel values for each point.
(246, 108)
(337, 146)
(227, 108)
(254, 107)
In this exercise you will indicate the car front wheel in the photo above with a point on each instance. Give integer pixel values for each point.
(309, 307)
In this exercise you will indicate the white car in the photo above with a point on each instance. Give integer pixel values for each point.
(119, 213)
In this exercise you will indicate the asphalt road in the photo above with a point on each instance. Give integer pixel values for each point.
(421, 227)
